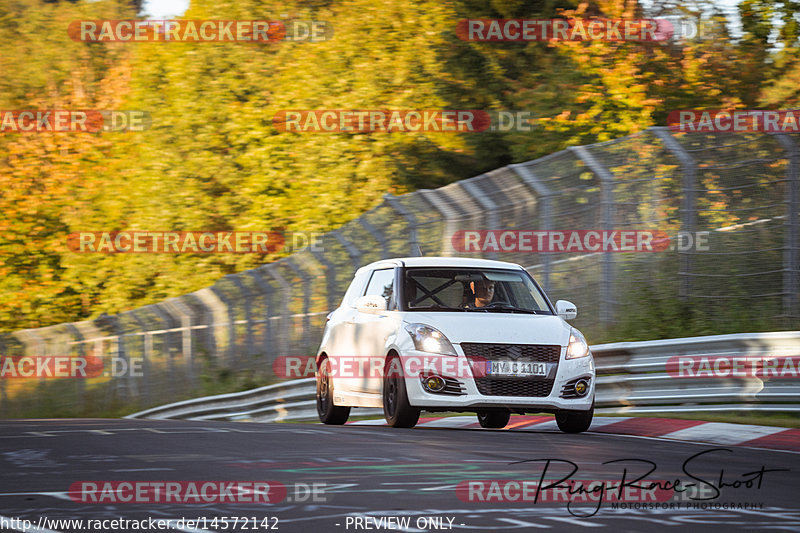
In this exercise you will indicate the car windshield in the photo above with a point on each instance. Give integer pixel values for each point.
(472, 290)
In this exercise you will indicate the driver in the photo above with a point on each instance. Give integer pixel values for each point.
(483, 291)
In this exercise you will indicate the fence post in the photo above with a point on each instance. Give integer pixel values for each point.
(545, 211)
(447, 213)
(147, 353)
(285, 329)
(183, 312)
(488, 207)
(306, 301)
(607, 203)
(416, 251)
(352, 251)
(267, 289)
(219, 314)
(80, 385)
(4, 411)
(791, 257)
(377, 235)
(121, 385)
(248, 314)
(330, 277)
(688, 204)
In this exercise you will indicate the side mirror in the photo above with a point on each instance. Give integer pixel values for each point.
(566, 310)
(371, 303)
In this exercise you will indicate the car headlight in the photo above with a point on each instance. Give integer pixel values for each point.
(578, 347)
(430, 339)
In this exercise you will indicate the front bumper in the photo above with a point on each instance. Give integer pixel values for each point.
(471, 397)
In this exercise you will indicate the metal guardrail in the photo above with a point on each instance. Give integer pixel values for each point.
(632, 377)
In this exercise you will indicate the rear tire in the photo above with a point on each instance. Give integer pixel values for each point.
(575, 421)
(396, 409)
(328, 413)
(494, 418)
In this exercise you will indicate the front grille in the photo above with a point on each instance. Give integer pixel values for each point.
(478, 353)
(540, 353)
(514, 386)
(453, 387)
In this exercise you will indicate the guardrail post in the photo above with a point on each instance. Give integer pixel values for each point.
(607, 203)
(410, 219)
(791, 257)
(545, 213)
(688, 204)
(488, 207)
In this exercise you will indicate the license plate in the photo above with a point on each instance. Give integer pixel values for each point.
(515, 368)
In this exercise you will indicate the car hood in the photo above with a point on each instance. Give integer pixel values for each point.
(501, 328)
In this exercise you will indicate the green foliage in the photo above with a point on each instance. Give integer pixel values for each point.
(213, 160)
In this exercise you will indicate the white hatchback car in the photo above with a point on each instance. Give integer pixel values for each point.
(453, 334)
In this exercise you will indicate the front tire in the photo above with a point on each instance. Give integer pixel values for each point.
(494, 418)
(328, 413)
(396, 409)
(575, 421)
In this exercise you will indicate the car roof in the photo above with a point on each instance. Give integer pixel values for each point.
(440, 262)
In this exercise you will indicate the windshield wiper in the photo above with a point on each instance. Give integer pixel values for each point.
(436, 307)
(512, 309)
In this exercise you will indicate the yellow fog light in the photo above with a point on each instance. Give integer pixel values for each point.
(433, 384)
(581, 388)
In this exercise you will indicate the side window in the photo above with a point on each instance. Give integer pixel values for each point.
(382, 284)
(354, 291)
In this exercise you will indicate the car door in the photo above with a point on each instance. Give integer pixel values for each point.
(372, 331)
(339, 340)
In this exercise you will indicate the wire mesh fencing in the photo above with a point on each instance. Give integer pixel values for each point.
(729, 204)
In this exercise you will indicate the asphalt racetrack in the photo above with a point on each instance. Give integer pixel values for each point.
(372, 478)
